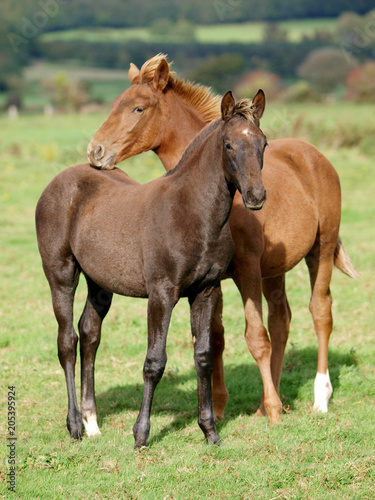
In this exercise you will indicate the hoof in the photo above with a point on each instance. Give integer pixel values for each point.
(91, 426)
(93, 432)
(213, 438)
(139, 446)
(322, 392)
(76, 434)
(219, 414)
(260, 412)
(140, 435)
(219, 403)
(273, 414)
(275, 420)
(321, 407)
(74, 426)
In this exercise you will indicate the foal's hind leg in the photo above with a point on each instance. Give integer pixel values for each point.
(320, 268)
(220, 394)
(279, 316)
(97, 305)
(63, 289)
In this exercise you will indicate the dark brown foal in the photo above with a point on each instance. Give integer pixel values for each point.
(162, 240)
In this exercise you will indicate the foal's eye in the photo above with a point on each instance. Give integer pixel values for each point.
(138, 109)
(228, 147)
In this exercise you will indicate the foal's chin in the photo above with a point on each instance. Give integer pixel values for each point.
(104, 164)
(253, 207)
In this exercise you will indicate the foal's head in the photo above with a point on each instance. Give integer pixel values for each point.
(243, 147)
(142, 115)
(133, 126)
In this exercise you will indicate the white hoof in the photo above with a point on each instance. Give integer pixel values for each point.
(322, 392)
(91, 426)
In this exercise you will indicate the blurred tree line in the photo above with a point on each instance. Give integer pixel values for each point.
(322, 60)
(66, 14)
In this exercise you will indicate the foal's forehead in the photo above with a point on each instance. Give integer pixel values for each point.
(136, 92)
(244, 128)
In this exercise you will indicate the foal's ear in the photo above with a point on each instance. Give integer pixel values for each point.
(258, 104)
(133, 72)
(161, 75)
(227, 105)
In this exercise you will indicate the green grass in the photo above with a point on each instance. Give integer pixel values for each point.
(251, 32)
(308, 456)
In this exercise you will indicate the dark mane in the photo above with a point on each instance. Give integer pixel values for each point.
(245, 108)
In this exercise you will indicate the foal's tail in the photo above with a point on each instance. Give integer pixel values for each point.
(342, 261)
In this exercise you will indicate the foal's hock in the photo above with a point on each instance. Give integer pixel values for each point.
(137, 240)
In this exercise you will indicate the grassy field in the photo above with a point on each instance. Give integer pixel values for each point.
(308, 456)
(251, 32)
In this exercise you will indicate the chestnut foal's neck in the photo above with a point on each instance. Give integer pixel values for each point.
(182, 125)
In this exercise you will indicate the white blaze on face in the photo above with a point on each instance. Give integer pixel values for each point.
(322, 392)
(246, 131)
(91, 425)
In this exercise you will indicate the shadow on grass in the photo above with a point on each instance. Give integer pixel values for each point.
(243, 383)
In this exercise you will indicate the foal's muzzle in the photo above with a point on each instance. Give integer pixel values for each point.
(98, 157)
(254, 200)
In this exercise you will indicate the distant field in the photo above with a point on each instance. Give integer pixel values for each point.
(42, 70)
(105, 84)
(221, 33)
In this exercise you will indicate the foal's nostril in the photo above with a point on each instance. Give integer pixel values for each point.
(98, 152)
(257, 195)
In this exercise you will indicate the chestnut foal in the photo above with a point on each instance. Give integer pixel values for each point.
(162, 113)
(162, 240)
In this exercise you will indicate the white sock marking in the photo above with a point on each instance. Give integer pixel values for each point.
(91, 425)
(322, 392)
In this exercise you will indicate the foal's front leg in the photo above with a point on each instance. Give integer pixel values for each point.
(160, 306)
(203, 306)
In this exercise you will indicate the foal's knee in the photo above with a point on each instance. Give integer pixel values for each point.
(67, 345)
(203, 362)
(153, 368)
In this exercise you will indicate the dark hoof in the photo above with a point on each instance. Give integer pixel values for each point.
(139, 446)
(76, 434)
(140, 434)
(75, 426)
(213, 438)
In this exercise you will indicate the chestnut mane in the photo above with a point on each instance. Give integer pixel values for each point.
(196, 96)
